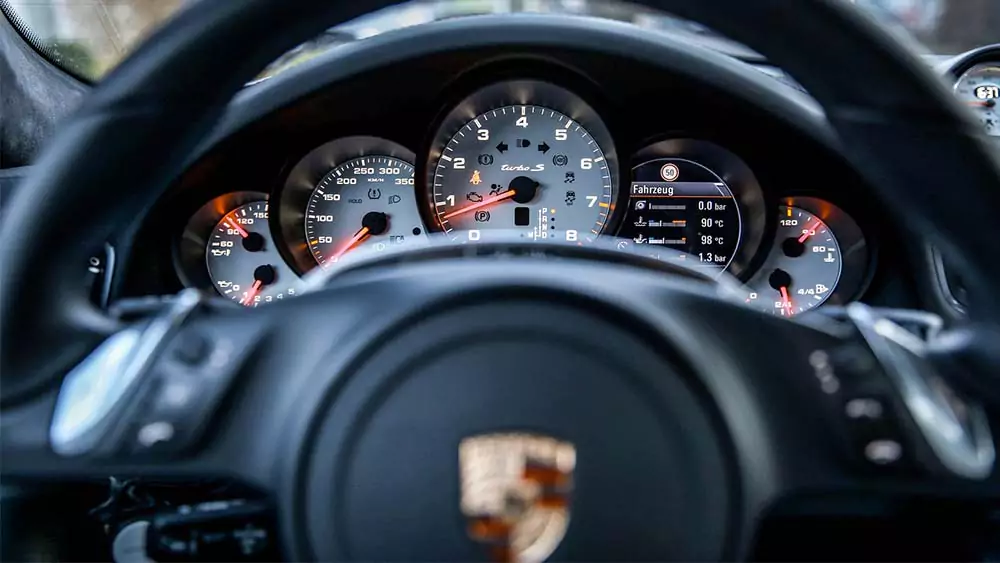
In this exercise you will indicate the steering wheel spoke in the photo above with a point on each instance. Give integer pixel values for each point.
(828, 415)
(146, 401)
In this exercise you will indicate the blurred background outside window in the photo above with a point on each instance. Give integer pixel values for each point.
(89, 37)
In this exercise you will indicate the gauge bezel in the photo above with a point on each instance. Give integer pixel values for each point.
(189, 252)
(992, 64)
(302, 179)
(518, 91)
(855, 252)
(736, 174)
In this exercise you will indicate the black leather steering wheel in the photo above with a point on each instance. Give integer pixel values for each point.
(353, 402)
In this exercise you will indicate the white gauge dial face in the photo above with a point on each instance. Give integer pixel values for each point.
(979, 90)
(803, 268)
(525, 169)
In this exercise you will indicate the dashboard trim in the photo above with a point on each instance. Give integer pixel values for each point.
(796, 109)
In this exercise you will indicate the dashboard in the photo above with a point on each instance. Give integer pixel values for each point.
(536, 144)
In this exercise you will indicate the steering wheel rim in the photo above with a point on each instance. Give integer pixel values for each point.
(210, 49)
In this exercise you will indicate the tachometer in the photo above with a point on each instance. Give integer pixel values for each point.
(525, 168)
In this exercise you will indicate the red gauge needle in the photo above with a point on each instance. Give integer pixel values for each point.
(251, 293)
(786, 302)
(982, 104)
(488, 201)
(359, 236)
(810, 231)
(236, 227)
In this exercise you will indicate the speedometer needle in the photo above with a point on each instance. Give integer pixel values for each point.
(359, 236)
(488, 201)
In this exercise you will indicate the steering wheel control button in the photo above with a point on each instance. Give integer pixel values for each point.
(194, 349)
(864, 409)
(883, 452)
(178, 404)
(155, 433)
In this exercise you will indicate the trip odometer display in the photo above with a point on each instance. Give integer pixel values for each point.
(524, 168)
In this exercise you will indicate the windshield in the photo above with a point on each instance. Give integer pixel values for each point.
(89, 37)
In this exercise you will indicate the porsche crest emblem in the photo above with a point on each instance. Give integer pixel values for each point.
(515, 493)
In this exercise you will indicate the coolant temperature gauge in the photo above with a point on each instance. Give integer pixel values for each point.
(803, 268)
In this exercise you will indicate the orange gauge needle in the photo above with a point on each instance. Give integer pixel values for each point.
(786, 302)
(359, 236)
(236, 227)
(254, 290)
(981, 104)
(810, 231)
(490, 200)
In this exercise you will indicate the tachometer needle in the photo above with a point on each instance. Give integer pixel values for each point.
(982, 104)
(488, 201)
(251, 293)
(810, 231)
(359, 236)
(236, 227)
(786, 302)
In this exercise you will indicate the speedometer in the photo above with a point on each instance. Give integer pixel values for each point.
(527, 168)
(979, 90)
(366, 201)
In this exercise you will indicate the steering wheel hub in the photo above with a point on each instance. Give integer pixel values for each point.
(569, 415)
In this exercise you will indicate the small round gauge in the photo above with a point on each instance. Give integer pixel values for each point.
(678, 204)
(366, 201)
(979, 89)
(803, 268)
(242, 261)
(525, 168)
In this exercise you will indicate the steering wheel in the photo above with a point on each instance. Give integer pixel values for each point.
(659, 425)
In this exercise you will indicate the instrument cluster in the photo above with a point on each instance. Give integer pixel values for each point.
(532, 159)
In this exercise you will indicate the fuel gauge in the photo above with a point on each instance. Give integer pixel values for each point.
(819, 255)
(803, 268)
